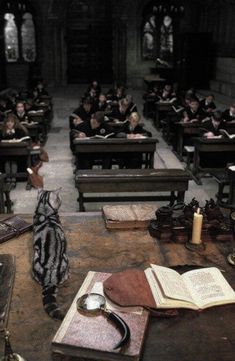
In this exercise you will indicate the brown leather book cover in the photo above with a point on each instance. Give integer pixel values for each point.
(94, 337)
(13, 227)
(128, 216)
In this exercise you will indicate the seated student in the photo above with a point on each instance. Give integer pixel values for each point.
(12, 129)
(132, 130)
(167, 93)
(83, 113)
(194, 112)
(151, 97)
(40, 89)
(116, 94)
(95, 126)
(211, 130)
(101, 103)
(93, 91)
(130, 105)
(21, 112)
(207, 104)
(211, 127)
(229, 114)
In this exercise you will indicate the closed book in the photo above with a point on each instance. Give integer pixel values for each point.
(94, 337)
(13, 227)
(128, 216)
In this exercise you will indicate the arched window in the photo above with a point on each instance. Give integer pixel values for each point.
(19, 31)
(158, 30)
(11, 38)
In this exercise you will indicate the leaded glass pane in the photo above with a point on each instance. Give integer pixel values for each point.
(166, 40)
(149, 30)
(28, 38)
(11, 38)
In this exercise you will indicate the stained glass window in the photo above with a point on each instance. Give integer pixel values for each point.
(158, 30)
(28, 38)
(11, 38)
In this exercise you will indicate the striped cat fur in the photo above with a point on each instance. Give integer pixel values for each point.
(50, 265)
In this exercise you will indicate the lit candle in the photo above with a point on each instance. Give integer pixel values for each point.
(197, 227)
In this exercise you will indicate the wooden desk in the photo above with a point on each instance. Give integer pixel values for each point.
(201, 336)
(209, 147)
(161, 107)
(189, 129)
(22, 149)
(145, 146)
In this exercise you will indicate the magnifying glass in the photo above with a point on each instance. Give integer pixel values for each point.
(93, 304)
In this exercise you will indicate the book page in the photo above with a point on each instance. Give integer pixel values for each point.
(209, 287)
(172, 283)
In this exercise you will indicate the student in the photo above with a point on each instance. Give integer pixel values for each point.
(132, 130)
(130, 105)
(95, 126)
(40, 89)
(21, 112)
(167, 93)
(193, 113)
(82, 114)
(151, 97)
(211, 128)
(12, 129)
(207, 104)
(116, 94)
(229, 114)
(101, 103)
(93, 90)
(5, 107)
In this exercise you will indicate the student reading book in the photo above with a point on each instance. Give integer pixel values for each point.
(226, 134)
(163, 288)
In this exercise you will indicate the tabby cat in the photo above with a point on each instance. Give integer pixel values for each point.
(50, 263)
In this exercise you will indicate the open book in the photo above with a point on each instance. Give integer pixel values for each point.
(226, 134)
(177, 108)
(97, 136)
(16, 140)
(197, 289)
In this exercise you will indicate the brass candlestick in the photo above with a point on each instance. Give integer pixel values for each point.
(9, 355)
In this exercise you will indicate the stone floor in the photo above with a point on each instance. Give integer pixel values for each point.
(58, 172)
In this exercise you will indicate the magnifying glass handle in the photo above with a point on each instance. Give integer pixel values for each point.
(121, 326)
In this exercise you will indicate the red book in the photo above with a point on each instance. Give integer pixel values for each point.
(94, 337)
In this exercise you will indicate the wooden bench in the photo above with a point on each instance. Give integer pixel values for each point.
(146, 146)
(131, 180)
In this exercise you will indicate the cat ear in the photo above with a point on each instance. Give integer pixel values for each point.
(57, 191)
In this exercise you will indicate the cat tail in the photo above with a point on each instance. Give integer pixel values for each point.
(49, 300)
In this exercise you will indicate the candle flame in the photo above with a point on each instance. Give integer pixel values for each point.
(198, 211)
